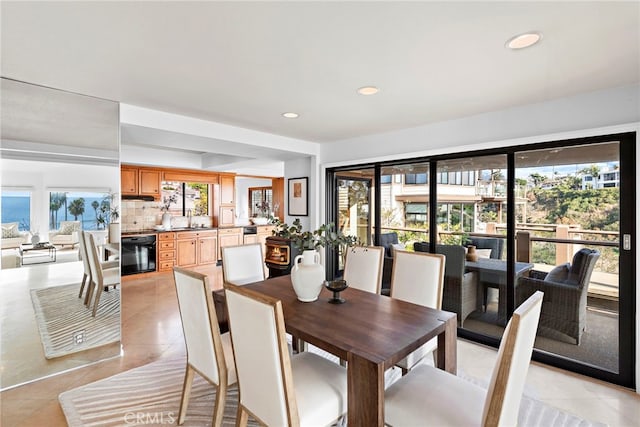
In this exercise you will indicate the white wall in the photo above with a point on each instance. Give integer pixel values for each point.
(299, 168)
(41, 177)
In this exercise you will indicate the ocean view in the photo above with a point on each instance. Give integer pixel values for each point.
(16, 208)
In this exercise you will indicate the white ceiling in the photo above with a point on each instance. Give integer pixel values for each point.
(244, 63)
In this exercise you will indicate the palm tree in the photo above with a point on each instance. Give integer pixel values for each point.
(76, 208)
(54, 205)
(95, 206)
(55, 202)
(63, 202)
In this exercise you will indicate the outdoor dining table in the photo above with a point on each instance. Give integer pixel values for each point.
(371, 332)
(493, 274)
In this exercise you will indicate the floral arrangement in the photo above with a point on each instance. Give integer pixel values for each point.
(263, 207)
(167, 201)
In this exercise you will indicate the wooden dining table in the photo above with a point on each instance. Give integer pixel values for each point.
(371, 332)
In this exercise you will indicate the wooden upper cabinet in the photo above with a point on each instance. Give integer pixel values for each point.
(227, 190)
(129, 181)
(277, 189)
(149, 183)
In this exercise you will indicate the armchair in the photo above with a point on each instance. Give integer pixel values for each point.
(12, 237)
(495, 244)
(460, 292)
(564, 307)
(67, 234)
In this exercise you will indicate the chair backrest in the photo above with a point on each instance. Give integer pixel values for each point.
(510, 371)
(455, 258)
(495, 244)
(418, 277)
(84, 254)
(582, 266)
(93, 257)
(363, 268)
(386, 240)
(68, 227)
(265, 377)
(242, 264)
(200, 325)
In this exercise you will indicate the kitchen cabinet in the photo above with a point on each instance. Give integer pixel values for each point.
(229, 237)
(149, 183)
(140, 181)
(208, 249)
(227, 190)
(166, 251)
(250, 239)
(227, 216)
(129, 181)
(196, 247)
(264, 231)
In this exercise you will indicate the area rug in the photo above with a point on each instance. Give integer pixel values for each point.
(151, 394)
(62, 316)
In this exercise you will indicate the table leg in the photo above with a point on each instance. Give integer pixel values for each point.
(447, 346)
(365, 391)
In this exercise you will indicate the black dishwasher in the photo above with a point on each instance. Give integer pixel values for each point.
(138, 254)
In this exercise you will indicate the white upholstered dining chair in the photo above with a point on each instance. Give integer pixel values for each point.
(418, 277)
(430, 396)
(242, 264)
(363, 268)
(209, 353)
(100, 278)
(86, 276)
(275, 388)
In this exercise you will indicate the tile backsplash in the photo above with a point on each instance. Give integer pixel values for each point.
(141, 215)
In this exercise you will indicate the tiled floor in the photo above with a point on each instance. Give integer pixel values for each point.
(152, 330)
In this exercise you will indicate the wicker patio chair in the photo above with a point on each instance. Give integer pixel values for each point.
(460, 293)
(564, 307)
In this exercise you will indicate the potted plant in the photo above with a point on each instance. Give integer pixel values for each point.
(111, 211)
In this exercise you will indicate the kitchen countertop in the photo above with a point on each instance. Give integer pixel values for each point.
(153, 231)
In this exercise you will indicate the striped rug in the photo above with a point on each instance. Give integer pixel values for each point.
(60, 315)
(151, 394)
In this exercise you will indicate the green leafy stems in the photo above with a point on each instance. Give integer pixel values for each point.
(325, 236)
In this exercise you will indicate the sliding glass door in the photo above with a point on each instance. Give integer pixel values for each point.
(555, 216)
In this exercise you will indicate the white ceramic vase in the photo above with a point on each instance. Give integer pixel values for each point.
(166, 221)
(307, 277)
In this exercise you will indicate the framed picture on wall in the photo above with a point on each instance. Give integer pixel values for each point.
(298, 196)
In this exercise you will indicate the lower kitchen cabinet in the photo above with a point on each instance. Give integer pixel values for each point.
(229, 237)
(196, 247)
(264, 231)
(166, 251)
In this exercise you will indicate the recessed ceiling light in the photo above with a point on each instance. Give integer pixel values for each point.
(291, 115)
(368, 90)
(523, 40)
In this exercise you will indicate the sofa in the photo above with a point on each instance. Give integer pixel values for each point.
(67, 234)
(460, 293)
(12, 237)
